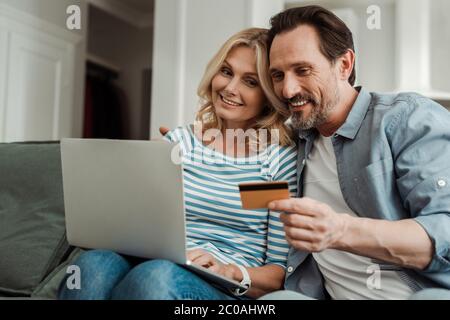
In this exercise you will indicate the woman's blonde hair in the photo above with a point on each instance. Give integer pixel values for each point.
(274, 114)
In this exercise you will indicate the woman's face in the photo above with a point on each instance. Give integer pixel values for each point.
(237, 96)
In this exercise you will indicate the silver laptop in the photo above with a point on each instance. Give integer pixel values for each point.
(127, 196)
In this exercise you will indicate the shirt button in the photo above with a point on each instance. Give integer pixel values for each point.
(303, 161)
(290, 269)
(441, 183)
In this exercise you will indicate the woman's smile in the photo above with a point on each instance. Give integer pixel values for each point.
(229, 102)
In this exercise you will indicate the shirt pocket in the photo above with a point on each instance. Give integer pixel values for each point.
(377, 169)
(375, 183)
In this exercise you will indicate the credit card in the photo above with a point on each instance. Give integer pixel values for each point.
(258, 195)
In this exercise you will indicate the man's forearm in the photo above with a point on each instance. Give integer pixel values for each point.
(402, 242)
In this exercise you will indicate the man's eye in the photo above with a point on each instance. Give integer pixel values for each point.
(226, 71)
(302, 71)
(277, 76)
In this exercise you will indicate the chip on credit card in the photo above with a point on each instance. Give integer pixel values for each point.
(257, 195)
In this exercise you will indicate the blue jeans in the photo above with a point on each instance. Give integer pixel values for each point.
(107, 275)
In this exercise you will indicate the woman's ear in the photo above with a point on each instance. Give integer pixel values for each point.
(346, 64)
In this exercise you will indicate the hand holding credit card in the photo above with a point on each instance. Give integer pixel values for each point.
(257, 195)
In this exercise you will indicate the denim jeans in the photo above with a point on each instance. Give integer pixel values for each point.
(107, 275)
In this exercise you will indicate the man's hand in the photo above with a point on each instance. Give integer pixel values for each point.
(207, 260)
(310, 225)
(313, 226)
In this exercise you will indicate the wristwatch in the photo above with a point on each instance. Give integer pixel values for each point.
(246, 282)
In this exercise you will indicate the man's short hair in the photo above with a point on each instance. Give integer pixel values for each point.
(334, 36)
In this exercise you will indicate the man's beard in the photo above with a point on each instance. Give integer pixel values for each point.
(319, 113)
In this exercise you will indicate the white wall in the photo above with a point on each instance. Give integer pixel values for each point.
(411, 50)
(130, 48)
(202, 40)
(375, 49)
(260, 12)
(54, 11)
(440, 42)
(187, 34)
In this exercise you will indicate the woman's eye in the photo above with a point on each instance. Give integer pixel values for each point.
(251, 82)
(226, 71)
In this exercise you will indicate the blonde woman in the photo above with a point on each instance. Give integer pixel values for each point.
(240, 244)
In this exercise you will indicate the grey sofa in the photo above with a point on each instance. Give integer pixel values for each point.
(34, 252)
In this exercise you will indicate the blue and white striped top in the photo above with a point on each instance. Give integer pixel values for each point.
(215, 220)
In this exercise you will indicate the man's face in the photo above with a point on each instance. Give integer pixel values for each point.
(303, 77)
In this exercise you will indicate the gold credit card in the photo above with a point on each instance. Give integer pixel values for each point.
(258, 194)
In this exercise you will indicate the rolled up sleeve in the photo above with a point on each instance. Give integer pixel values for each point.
(437, 227)
(420, 139)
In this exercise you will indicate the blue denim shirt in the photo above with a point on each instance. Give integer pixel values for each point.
(393, 162)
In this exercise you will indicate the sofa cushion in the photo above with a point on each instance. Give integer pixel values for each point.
(32, 224)
(49, 287)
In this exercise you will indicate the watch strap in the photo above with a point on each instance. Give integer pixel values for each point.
(246, 281)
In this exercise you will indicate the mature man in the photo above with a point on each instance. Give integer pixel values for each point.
(372, 220)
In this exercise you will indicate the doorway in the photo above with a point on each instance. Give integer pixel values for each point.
(118, 70)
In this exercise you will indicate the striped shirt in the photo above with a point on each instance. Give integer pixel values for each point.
(215, 219)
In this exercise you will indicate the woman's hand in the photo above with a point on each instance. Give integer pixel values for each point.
(203, 258)
(265, 279)
(163, 130)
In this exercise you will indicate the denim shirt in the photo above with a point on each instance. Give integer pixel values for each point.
(393, 163)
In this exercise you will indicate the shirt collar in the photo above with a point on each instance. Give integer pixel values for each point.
(356, 116)
(354, 119)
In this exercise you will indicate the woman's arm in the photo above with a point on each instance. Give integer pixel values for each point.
(264, 279)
